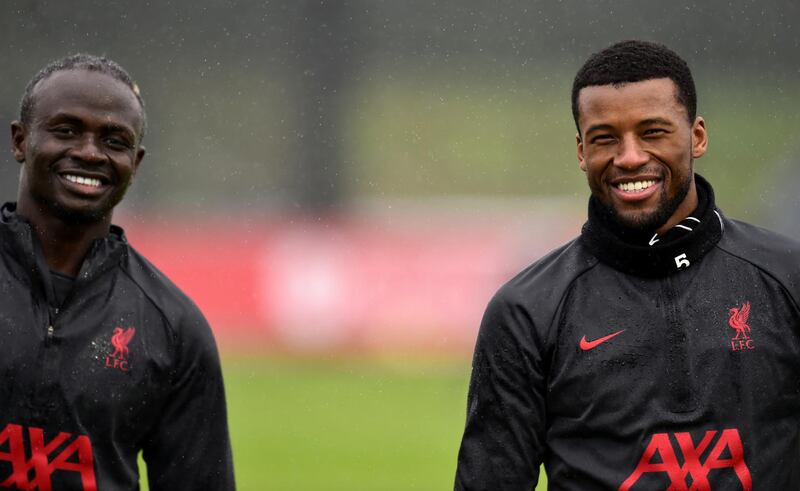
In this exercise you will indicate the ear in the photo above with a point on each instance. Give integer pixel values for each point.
(699, 138)
(579, 143)
(138, 159)
(19, 138)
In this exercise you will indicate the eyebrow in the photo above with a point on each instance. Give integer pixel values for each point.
(72, 119)
(644, 122)
(598, 127)
(651, 121)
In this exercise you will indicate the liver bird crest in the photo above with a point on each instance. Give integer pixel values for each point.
(738, 320)
(120, 340)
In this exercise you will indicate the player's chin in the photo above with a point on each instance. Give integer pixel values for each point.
(643, 220)
(87, 209)
(81, 212)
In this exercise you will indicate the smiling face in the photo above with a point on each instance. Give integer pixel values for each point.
(80, 148)
(637, 147)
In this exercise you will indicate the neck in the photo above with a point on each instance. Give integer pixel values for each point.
(687, 206)
(65, 243)
(639, 254)
(604, 215)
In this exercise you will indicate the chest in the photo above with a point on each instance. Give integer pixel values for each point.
(705, 344)
(93, 365)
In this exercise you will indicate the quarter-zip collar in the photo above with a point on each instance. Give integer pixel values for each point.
(645, 253)
(16, 236)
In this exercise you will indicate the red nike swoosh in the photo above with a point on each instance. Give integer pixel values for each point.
(587, 345)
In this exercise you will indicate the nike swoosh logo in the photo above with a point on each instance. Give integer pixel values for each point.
(587, 345)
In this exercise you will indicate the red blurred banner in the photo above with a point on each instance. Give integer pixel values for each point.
(388, 282)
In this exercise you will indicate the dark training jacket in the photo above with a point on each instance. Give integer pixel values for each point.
(126, 363)
(677, 368)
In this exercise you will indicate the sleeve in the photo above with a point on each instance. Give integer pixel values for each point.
(503, 439)
(189, 449)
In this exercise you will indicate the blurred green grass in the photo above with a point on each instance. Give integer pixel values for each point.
(345, 424)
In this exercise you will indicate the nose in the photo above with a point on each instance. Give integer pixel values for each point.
(630, 154)
(88, 150)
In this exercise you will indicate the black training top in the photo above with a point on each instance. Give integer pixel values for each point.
(668, 364)
(126, 362)
(62, 287)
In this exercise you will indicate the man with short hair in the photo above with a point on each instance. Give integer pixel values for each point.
(658, 350)
(101, 355)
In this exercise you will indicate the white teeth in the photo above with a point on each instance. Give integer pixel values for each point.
(86, 181)
(635, 186)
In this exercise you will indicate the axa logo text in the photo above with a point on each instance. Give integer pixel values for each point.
(64, 452)
(660, 457)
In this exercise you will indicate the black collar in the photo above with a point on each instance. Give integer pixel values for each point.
(648, 254)
(18, 239)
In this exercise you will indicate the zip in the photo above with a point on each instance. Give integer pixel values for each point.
(682, 397)
(52, 313)
(48, 340)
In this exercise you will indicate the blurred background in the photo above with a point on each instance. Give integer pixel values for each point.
(342, 185)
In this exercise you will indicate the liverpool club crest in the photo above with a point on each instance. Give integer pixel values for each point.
(119, 357)
(738, 322)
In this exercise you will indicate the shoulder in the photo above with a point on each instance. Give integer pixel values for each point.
(178, 310)
(533, 296)
(773, 253)
(521, 315)
(549, 277)
(760, 246)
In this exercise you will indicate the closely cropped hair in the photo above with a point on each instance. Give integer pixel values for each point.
(79, 61)
(636, 61)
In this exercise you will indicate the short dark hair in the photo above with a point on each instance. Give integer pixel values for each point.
(636, 61)
(79, 61)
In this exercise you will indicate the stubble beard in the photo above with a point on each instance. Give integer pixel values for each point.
(82, 215)
(79, 216)
(646, 222)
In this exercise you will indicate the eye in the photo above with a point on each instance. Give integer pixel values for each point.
(654, 132)
(602, 139)
(63, 131)
(118, 143)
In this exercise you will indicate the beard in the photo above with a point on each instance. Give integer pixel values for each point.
(647, 222)
(80, 216)
(77, 213)
(80, 212)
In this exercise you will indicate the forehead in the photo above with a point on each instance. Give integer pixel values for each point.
(635, 100)
(83, 93)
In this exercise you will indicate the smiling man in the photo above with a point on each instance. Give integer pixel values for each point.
(101, 356)
(661, 348)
